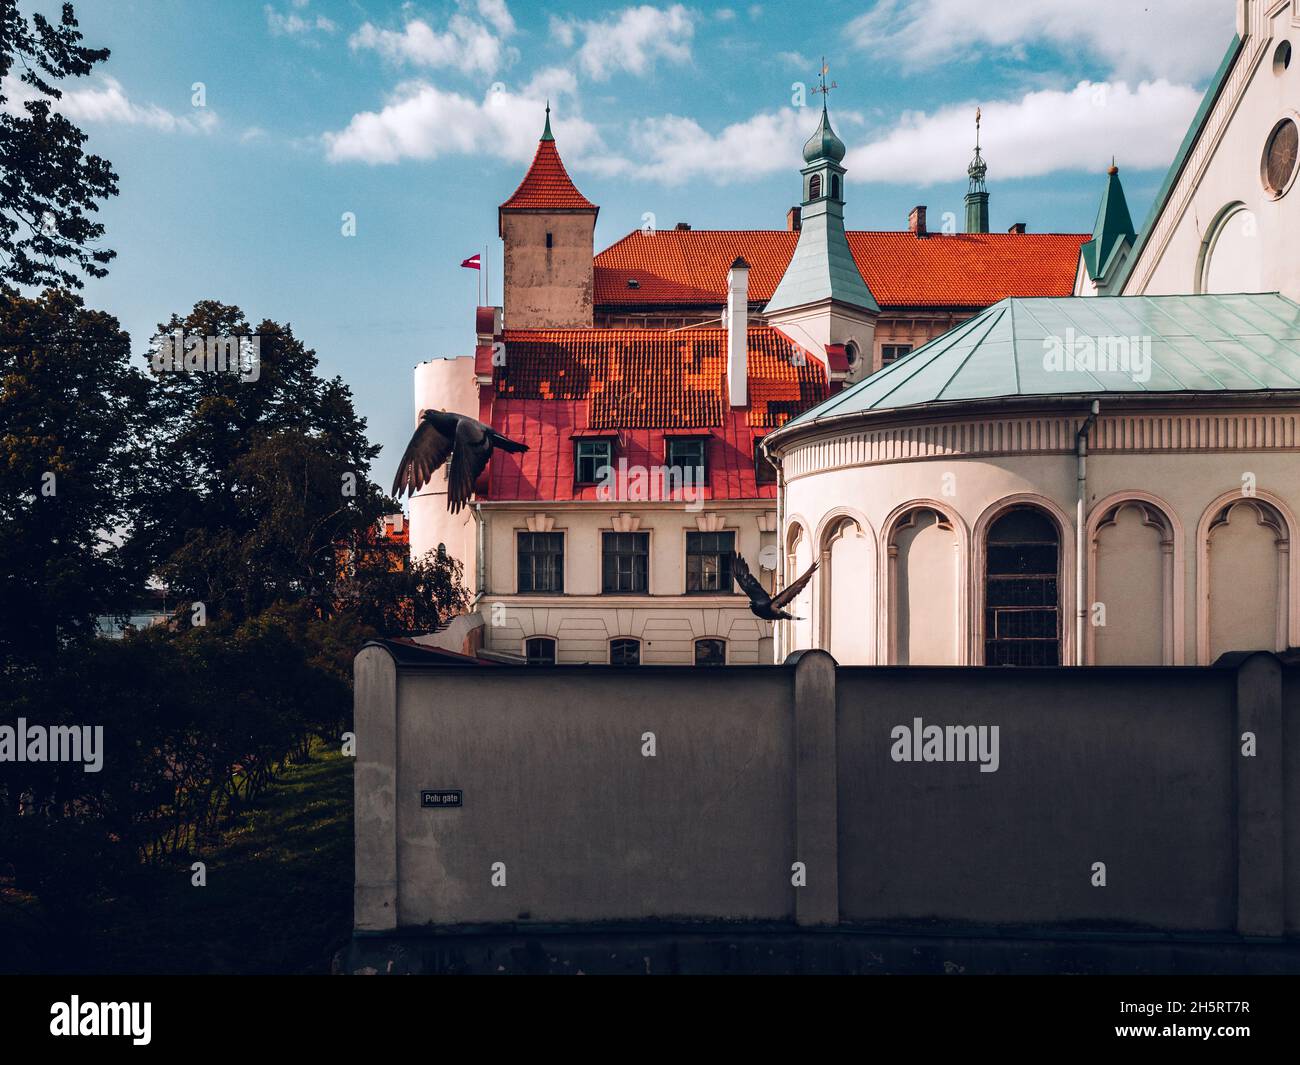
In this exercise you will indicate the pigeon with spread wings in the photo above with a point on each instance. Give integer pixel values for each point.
(440, 434)
(762, 605)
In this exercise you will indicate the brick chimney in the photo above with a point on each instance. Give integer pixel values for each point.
(916, 221)
(794, 219)
(1018, 228)
(738, 333)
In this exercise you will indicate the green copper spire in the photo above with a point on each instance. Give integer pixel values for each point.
(1113, 231)
(822, 267)
(546, 133)
(977, 194)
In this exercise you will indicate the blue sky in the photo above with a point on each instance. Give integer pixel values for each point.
(419, 118)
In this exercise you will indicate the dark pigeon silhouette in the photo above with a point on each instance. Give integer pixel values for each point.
(762, 605)
(466, 440)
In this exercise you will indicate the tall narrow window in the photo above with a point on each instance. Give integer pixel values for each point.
(835, 186)
(625, 563)
(708, 563)
(541, 562)
(540, 651)
(814, 186)
(548, 240)
(1022, 610)
(710, 652)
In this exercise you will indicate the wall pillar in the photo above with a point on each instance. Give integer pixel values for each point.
(1260, 893)
(374, 782)
(816, 832)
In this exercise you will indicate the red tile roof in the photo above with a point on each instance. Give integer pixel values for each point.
(901, 269)
(547, 185)
(646, 385)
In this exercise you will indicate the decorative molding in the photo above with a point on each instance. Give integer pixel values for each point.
(625, 523)
(1282, 521)
(711, 523)
(540, 523)
(766, 521)
(1046, 434)
(1173, 574)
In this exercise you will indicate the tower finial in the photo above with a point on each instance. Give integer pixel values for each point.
(822, 87)
(546, 133)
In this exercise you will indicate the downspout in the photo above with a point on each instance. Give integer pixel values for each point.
(779, 631)
(1080, 596)
(480, 554)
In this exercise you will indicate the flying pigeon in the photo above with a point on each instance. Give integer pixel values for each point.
(761, 604)
(469, 443)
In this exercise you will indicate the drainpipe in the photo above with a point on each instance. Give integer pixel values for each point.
(480, 554)
(779, 629)
(1080, 593)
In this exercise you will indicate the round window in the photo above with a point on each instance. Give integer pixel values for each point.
(1278, 167)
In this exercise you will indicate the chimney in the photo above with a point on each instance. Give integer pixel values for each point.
(916, 221)
(794, 219)
(683, 227)
(738, 333)
(1018, 227)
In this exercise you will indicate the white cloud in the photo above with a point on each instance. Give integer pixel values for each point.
(421, 121)
(108, 103)
(673, 149)
(497, 13)
(1043, 132)
(291, 24)
(631, 40)
(1177, 39)
(467, 45)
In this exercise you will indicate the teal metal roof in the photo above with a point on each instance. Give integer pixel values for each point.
(1114, 226)
(1225, 343)
(1180, 160)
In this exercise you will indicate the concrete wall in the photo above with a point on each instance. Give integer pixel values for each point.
(765, 776)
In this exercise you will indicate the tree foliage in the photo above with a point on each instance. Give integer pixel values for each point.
(50, 188)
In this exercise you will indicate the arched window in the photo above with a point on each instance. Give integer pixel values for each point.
(1022, 607)
(710, 652)
(835, 186)
(540, 651)
(814, 186)
(625, 652)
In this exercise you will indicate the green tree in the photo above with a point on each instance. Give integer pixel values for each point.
(73, 428)
(49, 186)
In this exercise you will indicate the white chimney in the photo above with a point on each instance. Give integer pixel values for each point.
(738, 333)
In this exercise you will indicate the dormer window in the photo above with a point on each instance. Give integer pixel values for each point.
(632, 282)
(592, 458)
(814, 186)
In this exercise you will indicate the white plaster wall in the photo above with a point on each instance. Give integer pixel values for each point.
(439, 384)
(1187, 482)
(1231, 173)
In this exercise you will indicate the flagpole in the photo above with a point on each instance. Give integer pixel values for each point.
(487, 280)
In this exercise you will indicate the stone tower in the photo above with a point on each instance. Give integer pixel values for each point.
(548, 228)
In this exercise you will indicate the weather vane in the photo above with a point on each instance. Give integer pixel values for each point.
(823, 88)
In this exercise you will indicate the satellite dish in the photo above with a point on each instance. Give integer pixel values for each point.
(769, 557)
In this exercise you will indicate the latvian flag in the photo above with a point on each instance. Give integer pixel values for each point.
(472, 263)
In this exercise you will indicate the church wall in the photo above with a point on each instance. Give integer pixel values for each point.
(1225, 169)
(1157, 587)
(548, 288)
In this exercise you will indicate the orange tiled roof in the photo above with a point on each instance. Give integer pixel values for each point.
(900, 268)
(547, 185)
(658, 379)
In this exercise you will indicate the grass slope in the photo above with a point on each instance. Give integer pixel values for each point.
(278, 897)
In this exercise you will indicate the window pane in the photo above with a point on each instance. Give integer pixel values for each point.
(541, 562)
(1022, 617)
(710, 652)
(625, 562)
(540, 651)
(625, 652)
(708, 562)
